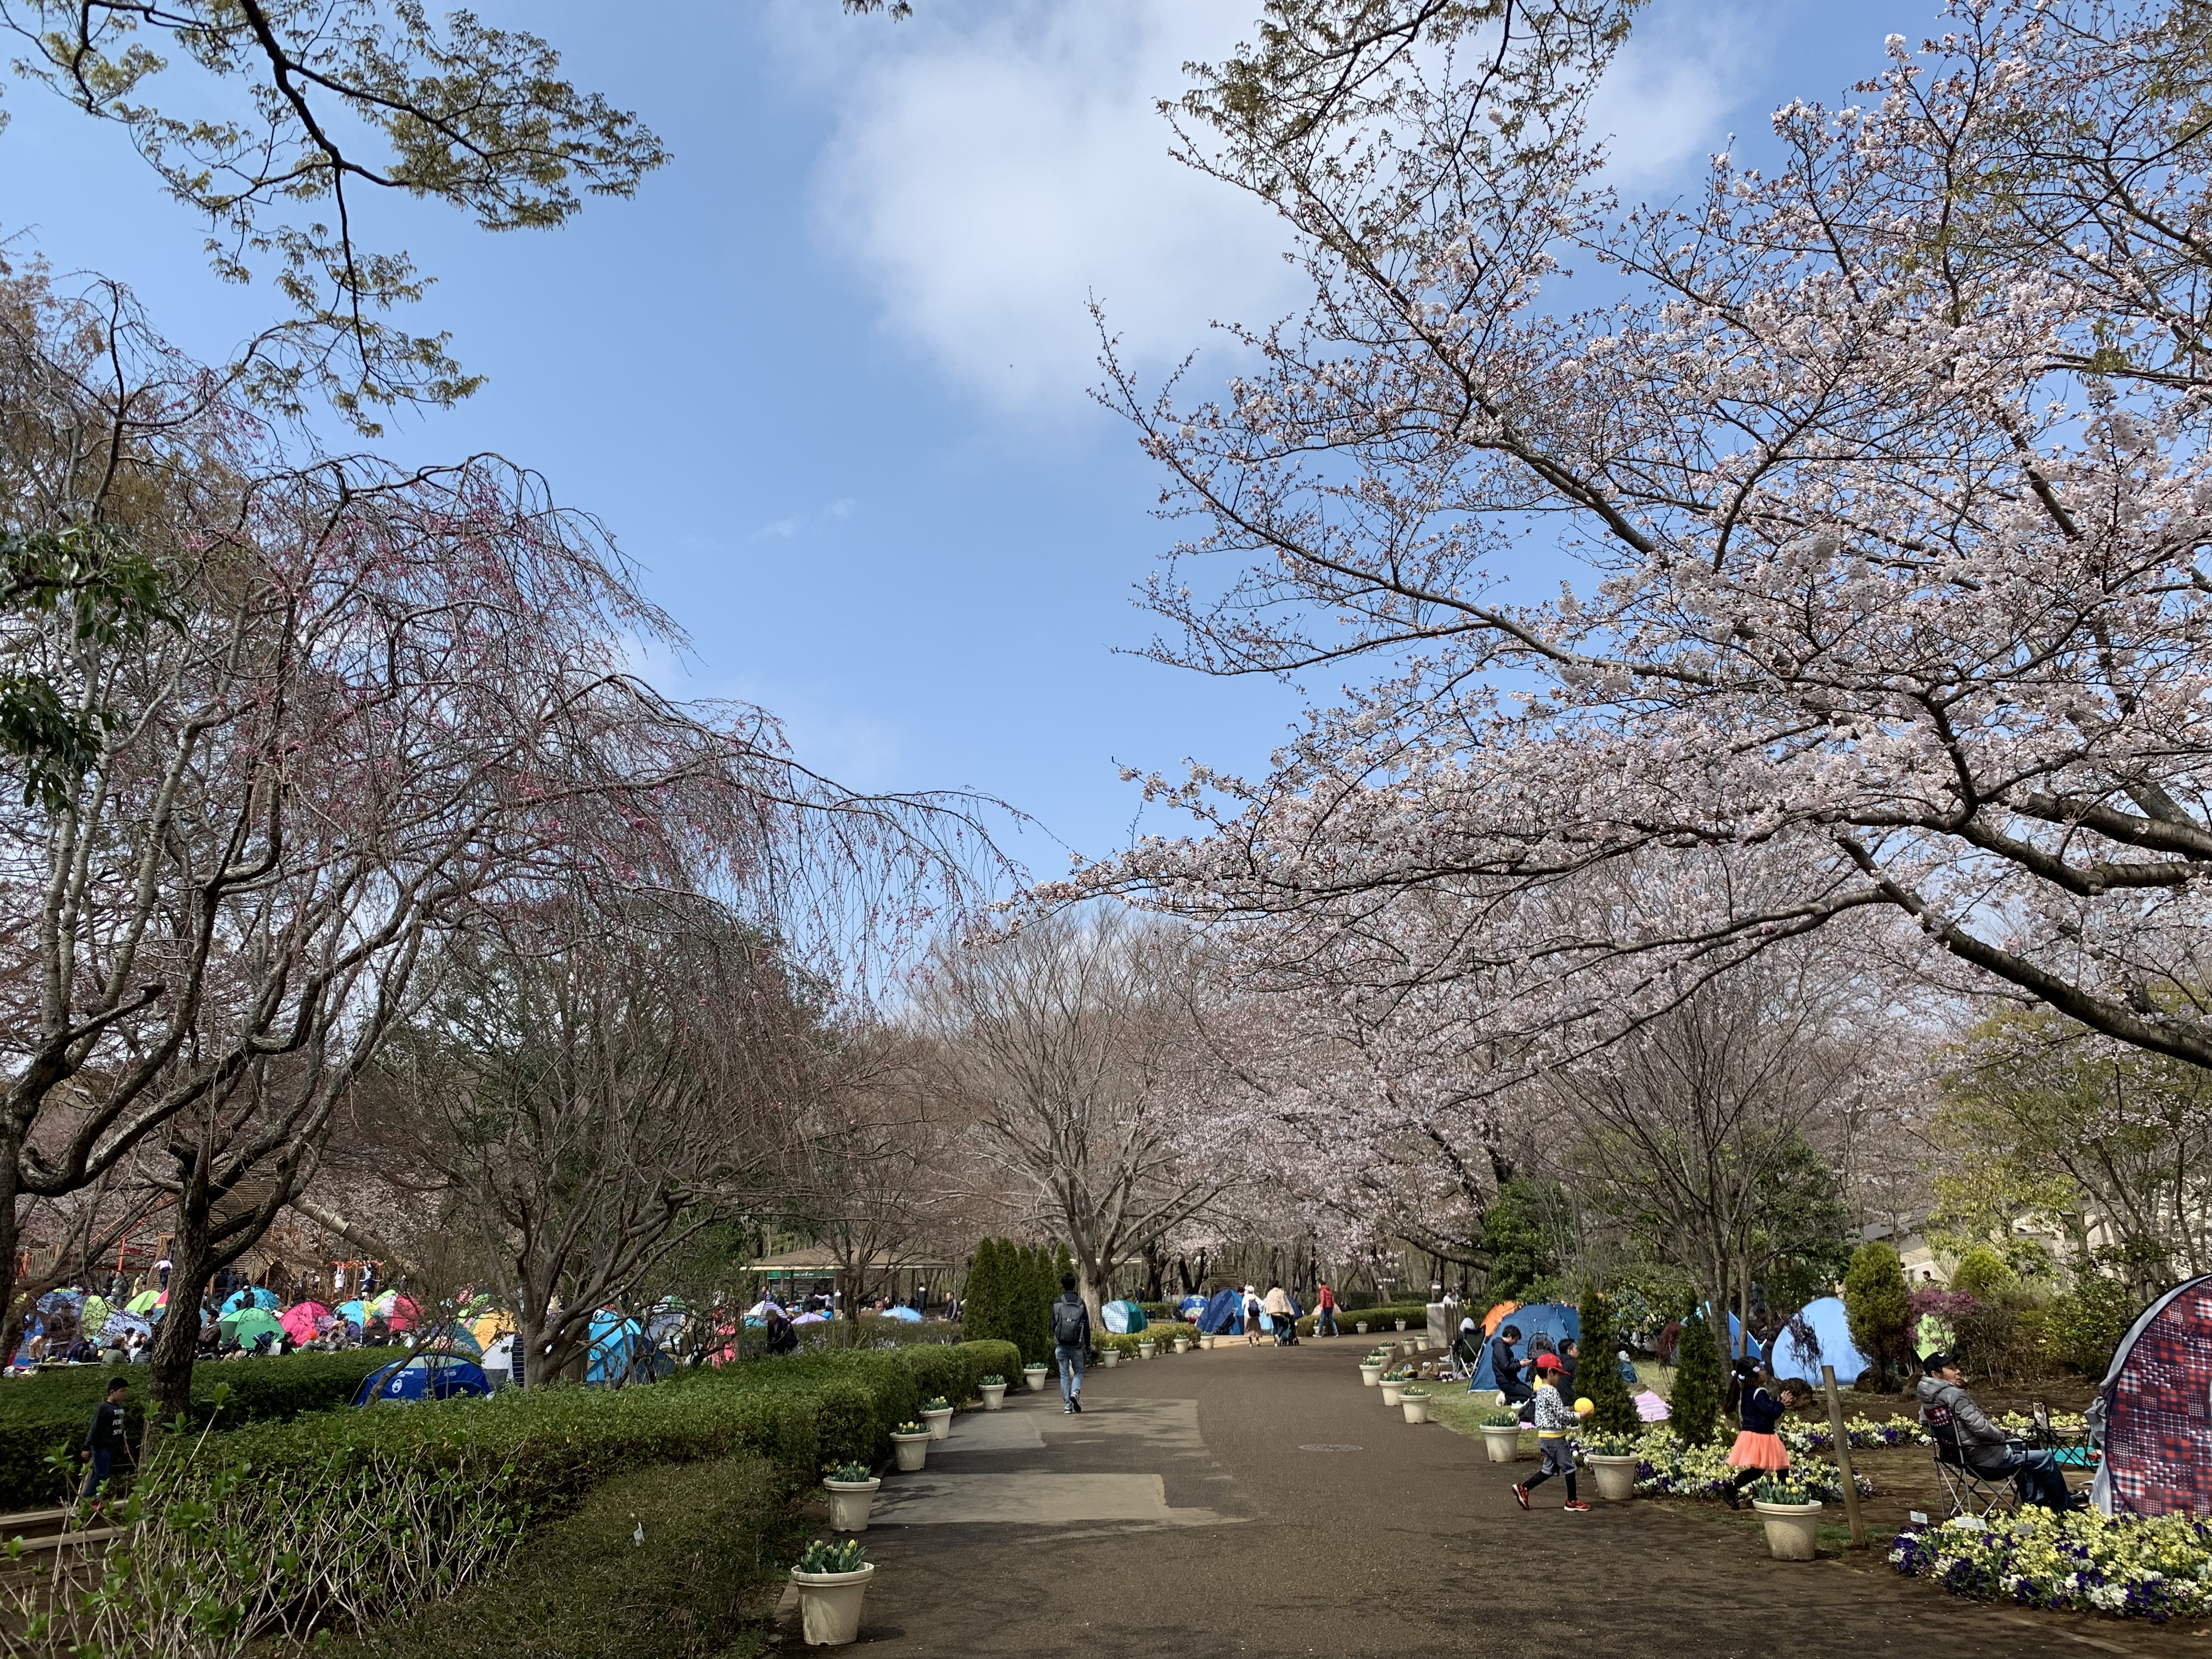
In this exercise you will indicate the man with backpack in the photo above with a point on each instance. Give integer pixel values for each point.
(1071, 1335)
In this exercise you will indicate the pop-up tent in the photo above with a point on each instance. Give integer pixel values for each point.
(435, 1376)
(1553, 1319)
(622, 1352)
(1831, 1346)
(2156, 1395)
(1123, 1318)
(1224, 1314)
(1190, 1306)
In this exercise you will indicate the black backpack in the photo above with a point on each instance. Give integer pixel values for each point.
(1067, 1320)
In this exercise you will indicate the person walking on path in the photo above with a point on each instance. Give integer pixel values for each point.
(1071, 1335)
(105, 1439)
(1554, 1418)
(1278, 1309)
(1324, 1310)
(1253, 1309)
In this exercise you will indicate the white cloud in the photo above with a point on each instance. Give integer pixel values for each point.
(1669, 95)
(797, 523)
(994, 165)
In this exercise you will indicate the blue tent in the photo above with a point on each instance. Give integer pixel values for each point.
(909, 1315)
(1122, 1318)
(1736, 1349)
(1224, 1314)
(1832, 1345)
(622, 1352)
(1553, 1319)
(433, 1376)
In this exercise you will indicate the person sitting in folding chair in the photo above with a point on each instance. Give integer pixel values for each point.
(1979, 1446)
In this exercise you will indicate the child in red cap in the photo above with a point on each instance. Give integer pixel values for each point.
(1554, 1417)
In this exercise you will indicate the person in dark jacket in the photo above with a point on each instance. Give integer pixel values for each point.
(1071, 1336)
(1505, 1370)
(1945, 1408)
(1757, 1451)
(105, 1438)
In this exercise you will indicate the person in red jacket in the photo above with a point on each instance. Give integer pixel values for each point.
(1324, 1311)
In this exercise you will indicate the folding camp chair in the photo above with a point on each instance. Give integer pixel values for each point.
(1969, 1491)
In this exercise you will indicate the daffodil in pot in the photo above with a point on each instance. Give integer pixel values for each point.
(910, 1445)
(1147, 1347)
(1394, 1386)
(1415, 1399)
(1612, 1460)
(832, 1580)
(1183, 1345)
(1034, 1375)
(1108, 1355)
(938, 1414)
(1372, 1367)
(852, 1489)
(994, 1390)
(1791, 1515)
(1501, 1434)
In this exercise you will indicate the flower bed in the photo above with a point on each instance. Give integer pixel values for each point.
(1164, 1335)
(2140, 1569)
(1867, 1434)
(1670, 1469)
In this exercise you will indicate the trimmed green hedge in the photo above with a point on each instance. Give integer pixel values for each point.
(51, 1410)
(1378, 1320)
(546, 1446)
(585, 1589)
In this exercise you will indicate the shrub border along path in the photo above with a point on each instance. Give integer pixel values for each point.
(343, 1517)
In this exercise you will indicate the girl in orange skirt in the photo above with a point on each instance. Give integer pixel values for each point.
(1757, 1451)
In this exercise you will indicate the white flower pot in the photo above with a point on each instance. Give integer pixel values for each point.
(1109, 1357)
(1393, 1393)
(1034, 1375)
(1504, 1443)
(1791, 1530)
(1401, 1324)
(1416, 1407)
(1371, 1375)
(829, 1604)
(940, 1423)
(912, 1450)
(1616, 1477)
(1183, 1345)
(1205, 1340)
(1146, 1350)
(850, 1501)
(994, 1395)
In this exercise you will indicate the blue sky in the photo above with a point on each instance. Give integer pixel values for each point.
(825, 378)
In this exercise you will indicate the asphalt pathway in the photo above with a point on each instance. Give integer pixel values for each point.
(1262, 1502)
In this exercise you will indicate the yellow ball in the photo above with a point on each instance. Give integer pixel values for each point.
(1585, 1405)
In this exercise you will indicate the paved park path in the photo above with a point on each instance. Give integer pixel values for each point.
(1261, 1502)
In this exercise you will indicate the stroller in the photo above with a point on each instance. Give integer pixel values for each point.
(1287, 1330)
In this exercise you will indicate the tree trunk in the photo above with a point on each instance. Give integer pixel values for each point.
(176, 1339)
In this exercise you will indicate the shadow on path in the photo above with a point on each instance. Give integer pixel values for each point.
(1261, 1502)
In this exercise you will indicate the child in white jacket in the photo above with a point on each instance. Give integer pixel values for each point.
(1555, 1417)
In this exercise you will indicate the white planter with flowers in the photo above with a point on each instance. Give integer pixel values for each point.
(994, 1390)
(832, 1581)
(910, 1445)
(851, 1491)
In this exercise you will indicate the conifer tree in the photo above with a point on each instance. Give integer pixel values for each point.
(1694, 1411)
(1598, 1378)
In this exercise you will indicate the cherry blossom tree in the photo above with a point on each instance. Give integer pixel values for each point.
(1887, 465)
(391, 704)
